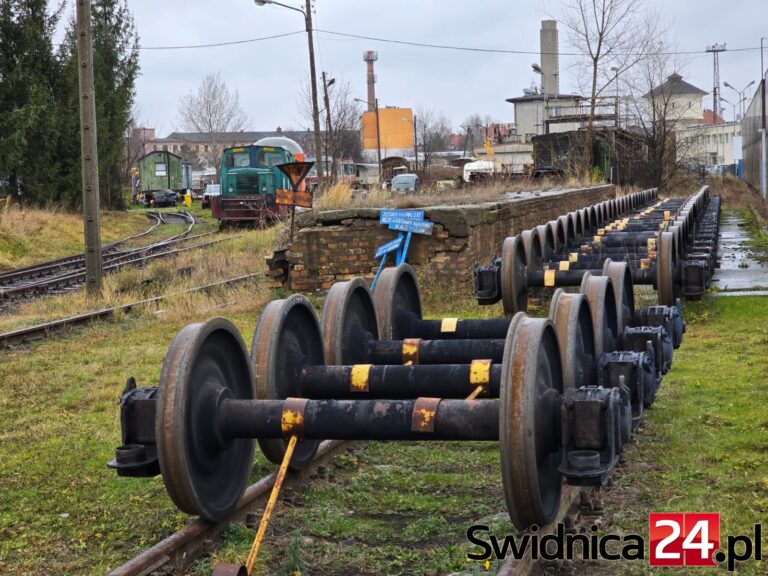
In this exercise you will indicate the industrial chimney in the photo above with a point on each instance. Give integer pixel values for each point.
(550, 60)
(370, 57)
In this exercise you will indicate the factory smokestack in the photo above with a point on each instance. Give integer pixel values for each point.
(370, 57)
(550, 59)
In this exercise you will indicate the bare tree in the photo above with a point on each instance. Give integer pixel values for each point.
(658, 116)
(134, 146)
(613, 36)
(212, 110)
(342, 138)
(434, 132)
(475, 129)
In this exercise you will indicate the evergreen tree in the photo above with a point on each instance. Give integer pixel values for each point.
(39, 100)
(116, 67)
(29, 84)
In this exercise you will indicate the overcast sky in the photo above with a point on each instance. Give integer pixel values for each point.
(267, 74)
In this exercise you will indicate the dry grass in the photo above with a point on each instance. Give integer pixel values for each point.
(29, 235)
(342, 196)
(237, 257)
(738, 196)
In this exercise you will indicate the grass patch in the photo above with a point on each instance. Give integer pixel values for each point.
(342, 196)
(703, 445)
(31, 235)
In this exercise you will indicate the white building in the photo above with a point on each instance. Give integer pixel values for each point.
(711, 144)
(537, 113)
(678, 98)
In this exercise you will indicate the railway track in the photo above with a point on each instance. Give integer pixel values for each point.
(48, 329)
(66, 273)
(179, 550)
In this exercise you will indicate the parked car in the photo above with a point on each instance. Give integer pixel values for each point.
(159, 198)
(211, 190)
(405, 183)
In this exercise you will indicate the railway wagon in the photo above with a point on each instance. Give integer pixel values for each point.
(250, 179)
(160, 170)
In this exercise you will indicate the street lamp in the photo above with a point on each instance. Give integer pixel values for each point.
(732, 104)
(328, 129)
(378, 130)
(313, 79)
(742, 95)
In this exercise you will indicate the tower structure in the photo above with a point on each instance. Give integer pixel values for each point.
(369, 57)
(716, 49)
(550, 60)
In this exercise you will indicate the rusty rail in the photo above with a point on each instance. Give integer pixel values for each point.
(41, 331)
(181, 548)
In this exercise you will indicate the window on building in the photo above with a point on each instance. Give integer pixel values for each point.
(175, 148)
(154, 147)
(206, 148)
(160, 169)
(165, 147)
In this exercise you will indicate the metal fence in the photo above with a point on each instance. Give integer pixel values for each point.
(753, 139)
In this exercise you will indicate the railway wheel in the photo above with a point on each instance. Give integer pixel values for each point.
(514, 284)
(349, 322)
(397, 300)
(286, 338)
(529, 425)
(602, 305)
(573, 323)
(666, 281)
(623, 290)
(203, 474)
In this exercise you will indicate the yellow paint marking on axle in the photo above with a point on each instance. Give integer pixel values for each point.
(359, 377)
(549, 278)
(448, 325)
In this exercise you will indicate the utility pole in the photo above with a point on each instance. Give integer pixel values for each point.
(328, 129)
(415, 144)
(378, 138)
(313, 81)
(89, 151)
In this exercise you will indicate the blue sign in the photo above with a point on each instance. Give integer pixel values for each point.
(404, 221)
(411, 226)
(388, 216)
(390, 246)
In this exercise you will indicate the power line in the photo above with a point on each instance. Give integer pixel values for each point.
(507, 51)
(218, 44)
(427, 45)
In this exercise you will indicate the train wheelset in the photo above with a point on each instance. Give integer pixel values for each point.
(528, 383)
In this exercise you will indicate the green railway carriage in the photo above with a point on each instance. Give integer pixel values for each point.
(160, 170)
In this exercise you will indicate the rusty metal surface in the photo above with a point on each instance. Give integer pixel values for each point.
(286, 335)
(183, 416)
(48, 329)
(411, 351)
(348, 322)
(292, 418)
(424, 412)
(179, 550)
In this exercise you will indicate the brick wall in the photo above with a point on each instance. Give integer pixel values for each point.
(339, 244)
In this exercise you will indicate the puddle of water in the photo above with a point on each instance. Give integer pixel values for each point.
(738, 268)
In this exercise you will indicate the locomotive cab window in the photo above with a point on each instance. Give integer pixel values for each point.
(271, 158)
(160, 169)
(238, 160)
